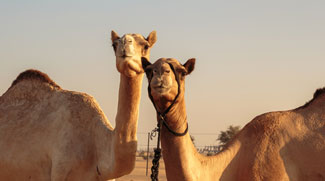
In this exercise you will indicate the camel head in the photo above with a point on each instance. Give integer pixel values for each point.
(162, 79)
(129, 49)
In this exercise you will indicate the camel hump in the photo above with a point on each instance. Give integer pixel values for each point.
(319, 92)
(33, 74)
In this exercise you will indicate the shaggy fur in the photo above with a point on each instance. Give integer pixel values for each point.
(32, 74)
(317, 94)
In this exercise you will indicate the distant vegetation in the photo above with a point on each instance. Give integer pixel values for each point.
(225, 136)
(144, 154)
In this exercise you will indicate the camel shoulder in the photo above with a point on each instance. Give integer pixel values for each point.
(80, 101)
(260, 129)
(84, 107)
(267, 124)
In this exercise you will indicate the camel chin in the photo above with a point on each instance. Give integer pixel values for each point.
(130, 73)
(130, 68)
(160, 92)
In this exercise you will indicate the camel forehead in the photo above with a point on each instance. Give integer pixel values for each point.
(137, 37)
(164, 62)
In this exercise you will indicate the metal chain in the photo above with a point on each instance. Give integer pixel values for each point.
(155, 161)
(154, 133)
(155, 165)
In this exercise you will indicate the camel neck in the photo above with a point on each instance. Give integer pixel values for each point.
(128, 107)
(181, 158)
(125, 140)
(121, 146)
(178, 151)
(176, 118)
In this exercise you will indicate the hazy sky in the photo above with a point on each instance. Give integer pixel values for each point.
(252, 56)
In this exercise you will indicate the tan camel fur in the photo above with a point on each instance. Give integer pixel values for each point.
(48, 133)
(284, 145)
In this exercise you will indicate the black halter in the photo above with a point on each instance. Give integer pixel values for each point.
(162, 121)
(161, 116)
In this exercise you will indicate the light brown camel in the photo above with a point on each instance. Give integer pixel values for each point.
(284, 145)
(48, 133)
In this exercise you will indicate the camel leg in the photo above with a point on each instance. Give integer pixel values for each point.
(59, 173)
(61, 169)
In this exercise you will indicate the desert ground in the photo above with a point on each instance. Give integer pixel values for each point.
(139, 172)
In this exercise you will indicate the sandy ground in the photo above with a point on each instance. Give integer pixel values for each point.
(139, 172)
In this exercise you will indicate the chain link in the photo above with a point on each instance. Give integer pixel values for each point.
(153, 133)
(155, 165)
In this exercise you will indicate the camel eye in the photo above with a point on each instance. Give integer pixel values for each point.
(167, 71)
(146, 47)
(155, 71)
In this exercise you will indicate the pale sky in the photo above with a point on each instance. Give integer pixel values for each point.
(252, 56)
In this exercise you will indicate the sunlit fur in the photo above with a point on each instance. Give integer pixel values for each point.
(48, 133)
(283, 145)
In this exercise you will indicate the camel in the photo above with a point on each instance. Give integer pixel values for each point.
(48, 133)
(283, 145)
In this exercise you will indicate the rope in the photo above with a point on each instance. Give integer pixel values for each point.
(174, 132)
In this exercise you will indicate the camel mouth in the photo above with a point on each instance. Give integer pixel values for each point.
(159, 87)
(125, 56)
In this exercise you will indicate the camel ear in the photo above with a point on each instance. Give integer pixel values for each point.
(189, 65)
(152, 38)
(114, 36)
(146, 65)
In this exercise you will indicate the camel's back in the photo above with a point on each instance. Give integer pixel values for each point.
(27, 119)
(283, 145)
(34, 98)
(38, 120)
(32, 109)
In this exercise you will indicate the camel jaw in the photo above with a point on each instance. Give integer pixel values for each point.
(129, 66)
